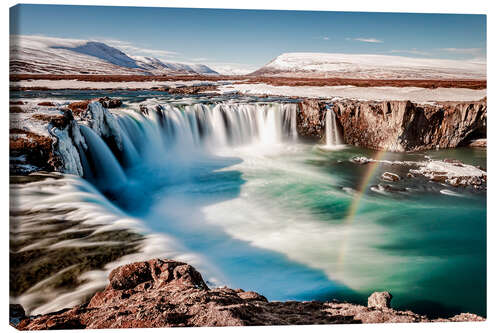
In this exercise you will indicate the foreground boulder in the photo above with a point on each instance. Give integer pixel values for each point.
(163, 293)
(380, 300)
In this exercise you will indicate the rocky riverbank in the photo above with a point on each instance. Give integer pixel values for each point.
(397, 125)
(165, 293)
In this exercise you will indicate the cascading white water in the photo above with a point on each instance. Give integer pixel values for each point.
(111, 174)
(208, 126)
(166, 134)
(331, 129)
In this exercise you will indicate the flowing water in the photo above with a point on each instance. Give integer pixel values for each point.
(331, 130)
(230, 184)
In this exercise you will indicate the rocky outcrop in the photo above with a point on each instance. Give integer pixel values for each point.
(39, 134)
(397, 125)
(391, 177)
(109, 103)
(78, 108)
(195, 89)
(452, 172)
(311, 119)
(163, 293)
(482, 143)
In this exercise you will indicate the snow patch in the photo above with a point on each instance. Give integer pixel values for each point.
(414, 94)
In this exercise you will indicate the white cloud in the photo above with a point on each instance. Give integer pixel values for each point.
(368, 40)
(473, 51)
(199, 59)
(131, 49)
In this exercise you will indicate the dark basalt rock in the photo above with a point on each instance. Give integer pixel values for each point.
(16, 314)
(189, 90)
(163, 293)
(110, 103)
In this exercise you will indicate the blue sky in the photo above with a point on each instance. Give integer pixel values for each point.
(250, 38)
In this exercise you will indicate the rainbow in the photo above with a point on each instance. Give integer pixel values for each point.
(354, 206)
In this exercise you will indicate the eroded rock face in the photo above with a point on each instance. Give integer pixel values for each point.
(397, 125)
(163, 293)
(310, 119)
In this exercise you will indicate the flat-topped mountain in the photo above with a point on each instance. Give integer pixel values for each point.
(369, 66)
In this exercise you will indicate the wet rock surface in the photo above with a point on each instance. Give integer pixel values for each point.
(391, 177)
(195, 89)
(110, 103)
(33, 145)
(163, 293)
(453, 172)
(310, 119)
(397, 125)
(447, 171)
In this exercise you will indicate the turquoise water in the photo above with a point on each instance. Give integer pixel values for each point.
(294, 221)
(280, 221)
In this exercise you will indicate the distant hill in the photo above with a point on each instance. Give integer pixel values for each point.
(47, 55)
(366, 66)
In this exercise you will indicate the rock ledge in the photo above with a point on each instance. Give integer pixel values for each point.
(164, 293)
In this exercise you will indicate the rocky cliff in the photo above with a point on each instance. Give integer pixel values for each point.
(163, 293)
(397, 125)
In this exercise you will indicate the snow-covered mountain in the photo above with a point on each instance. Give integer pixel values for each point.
(48, 55)
(367, 66)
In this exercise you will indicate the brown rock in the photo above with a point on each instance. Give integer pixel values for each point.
(164, 293)
(110, 103)
(129, 276)
(79, 107)
(380, 300)
(397, 125)
(46, 104)
(16, 109)
(309, 117)
(189, 89)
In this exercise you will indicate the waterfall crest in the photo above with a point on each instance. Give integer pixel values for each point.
(114, 142)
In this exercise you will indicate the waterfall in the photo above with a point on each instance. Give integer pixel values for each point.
(109, 173)
(332, 132)
(166, 135)
(336, 130)
(222, 125)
